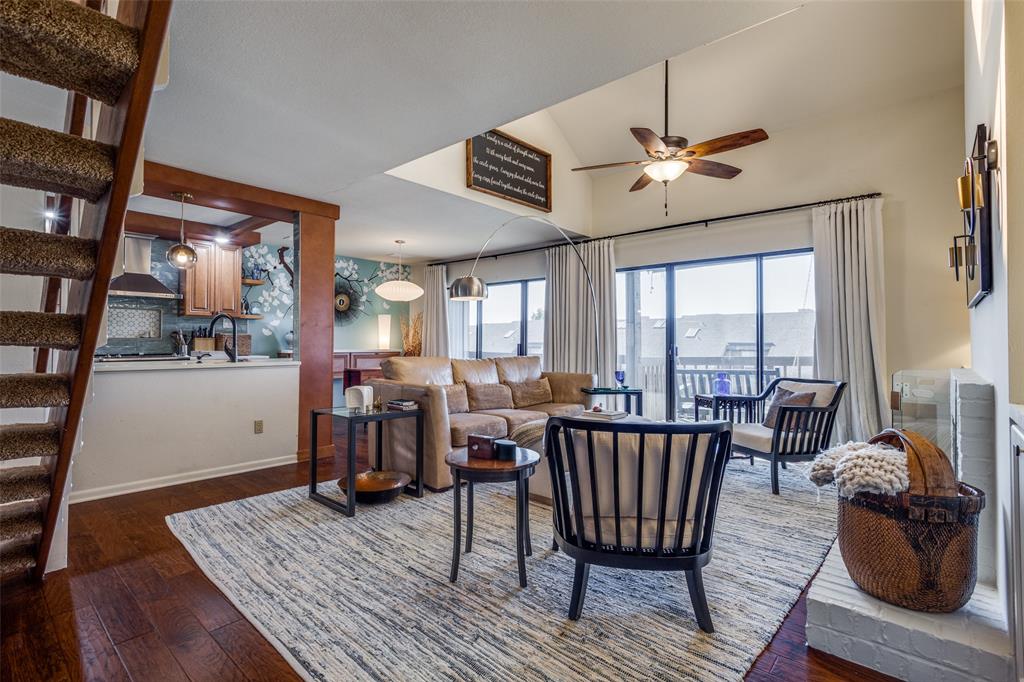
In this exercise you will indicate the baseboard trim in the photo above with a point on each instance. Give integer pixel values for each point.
(174, 479)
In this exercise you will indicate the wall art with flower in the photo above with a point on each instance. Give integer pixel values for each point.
(356, 306)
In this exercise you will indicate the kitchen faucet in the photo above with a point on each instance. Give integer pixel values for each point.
(232, 352)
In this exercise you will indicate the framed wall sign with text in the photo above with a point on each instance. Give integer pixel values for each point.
(506, 167)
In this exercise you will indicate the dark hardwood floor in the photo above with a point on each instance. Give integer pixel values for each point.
(132, 604)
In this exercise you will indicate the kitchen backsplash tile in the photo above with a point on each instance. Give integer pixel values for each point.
(133, 313)
(125, 323)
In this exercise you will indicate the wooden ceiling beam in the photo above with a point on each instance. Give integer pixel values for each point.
(162, 181)
(249, 225)
(170, 228)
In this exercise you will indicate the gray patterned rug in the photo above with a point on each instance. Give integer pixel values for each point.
(368, 598)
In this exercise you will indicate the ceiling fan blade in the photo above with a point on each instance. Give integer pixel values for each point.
(712, 169)
(641, 182)
(727, 142)
(650, 140)
(613, 165)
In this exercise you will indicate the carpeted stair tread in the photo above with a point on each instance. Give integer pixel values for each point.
(20, 526)
(40, 330)
(30, 252)
(29, 440)
(44, 159)
(64, 44)
(19, 484)
(34, 390)
(17, 562)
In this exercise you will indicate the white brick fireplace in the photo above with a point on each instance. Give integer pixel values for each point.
(966, 646)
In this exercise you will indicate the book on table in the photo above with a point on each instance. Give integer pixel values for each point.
(403, 405)
(606, 415)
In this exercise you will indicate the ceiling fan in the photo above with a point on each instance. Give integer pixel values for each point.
(670, 156)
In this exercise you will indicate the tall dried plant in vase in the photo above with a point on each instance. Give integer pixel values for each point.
(412, 335)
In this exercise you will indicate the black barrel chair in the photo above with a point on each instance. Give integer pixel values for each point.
(799, 433)
(617, 489)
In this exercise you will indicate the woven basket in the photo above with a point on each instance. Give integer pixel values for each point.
(917, 549)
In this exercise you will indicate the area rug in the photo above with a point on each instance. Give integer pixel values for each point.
(368, 598)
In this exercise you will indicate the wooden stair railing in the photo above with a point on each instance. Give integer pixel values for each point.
(71, 46)
(121, 126)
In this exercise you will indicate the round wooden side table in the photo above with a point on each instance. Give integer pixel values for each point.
(472, 470)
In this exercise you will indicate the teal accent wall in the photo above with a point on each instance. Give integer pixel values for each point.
(356, 277)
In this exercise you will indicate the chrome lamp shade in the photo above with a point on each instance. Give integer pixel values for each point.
(469, 288)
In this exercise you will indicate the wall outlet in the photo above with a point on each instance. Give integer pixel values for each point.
(257, 426)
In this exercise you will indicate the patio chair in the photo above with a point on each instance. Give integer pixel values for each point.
(799, 433)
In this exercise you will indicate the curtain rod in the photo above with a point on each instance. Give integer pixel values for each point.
(706, 222)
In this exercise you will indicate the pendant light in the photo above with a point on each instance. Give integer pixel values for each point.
(181, 255)
(400, 290)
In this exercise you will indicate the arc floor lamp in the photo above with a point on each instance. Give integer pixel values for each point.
(473, 288)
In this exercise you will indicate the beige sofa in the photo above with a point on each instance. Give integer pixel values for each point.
(463, 397)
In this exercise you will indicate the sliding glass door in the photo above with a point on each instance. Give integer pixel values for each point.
(641, 341)
(715, 331)
(728, 325)
(789, 315)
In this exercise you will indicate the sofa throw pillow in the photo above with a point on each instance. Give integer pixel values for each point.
(489, 397)
(788, 398)
(458, 400)
(526, 393)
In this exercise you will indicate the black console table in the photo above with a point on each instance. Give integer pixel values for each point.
(354, 417)
(629, 394)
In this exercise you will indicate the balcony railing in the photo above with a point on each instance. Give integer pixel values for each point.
(696, 375)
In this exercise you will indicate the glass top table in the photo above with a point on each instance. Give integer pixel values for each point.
(353, 417)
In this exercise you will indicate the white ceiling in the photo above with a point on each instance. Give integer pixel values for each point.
(827, 57)
(435, 225)
(311, 97)
(172, 209)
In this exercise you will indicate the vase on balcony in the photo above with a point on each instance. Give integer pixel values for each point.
(722, 385)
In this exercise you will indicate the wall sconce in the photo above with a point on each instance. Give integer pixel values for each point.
(383, 332)
(972, 248)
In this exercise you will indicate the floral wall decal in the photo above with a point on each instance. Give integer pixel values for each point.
(354, 281)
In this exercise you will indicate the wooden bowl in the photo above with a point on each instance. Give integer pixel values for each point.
(377, 486)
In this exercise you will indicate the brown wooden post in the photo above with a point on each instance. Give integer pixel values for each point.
(314, 329)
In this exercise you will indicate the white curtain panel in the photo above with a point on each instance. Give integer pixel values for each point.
(849, 286)
(435, 311)
(569, 313)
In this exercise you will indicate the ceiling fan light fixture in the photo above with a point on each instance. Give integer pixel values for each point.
(666, 171)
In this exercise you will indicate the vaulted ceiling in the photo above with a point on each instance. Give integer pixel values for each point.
(311, 97)
(826, 58)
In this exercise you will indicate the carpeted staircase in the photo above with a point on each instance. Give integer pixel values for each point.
(68, 45)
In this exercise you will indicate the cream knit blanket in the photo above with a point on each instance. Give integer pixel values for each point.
(862, 468)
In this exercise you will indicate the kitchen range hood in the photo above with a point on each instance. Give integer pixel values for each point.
(136, 278)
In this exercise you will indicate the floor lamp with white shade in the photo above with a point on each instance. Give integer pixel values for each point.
(473, 288)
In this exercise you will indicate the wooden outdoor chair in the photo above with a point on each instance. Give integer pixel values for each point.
(799, 434)
(620, 504)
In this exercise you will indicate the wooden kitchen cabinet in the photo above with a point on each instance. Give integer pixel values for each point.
(228, 278)
(214, 284)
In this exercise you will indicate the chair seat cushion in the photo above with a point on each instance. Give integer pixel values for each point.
(627, 531)
(559, 409)
(514, 418)
(466, 423)
(754, 436)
